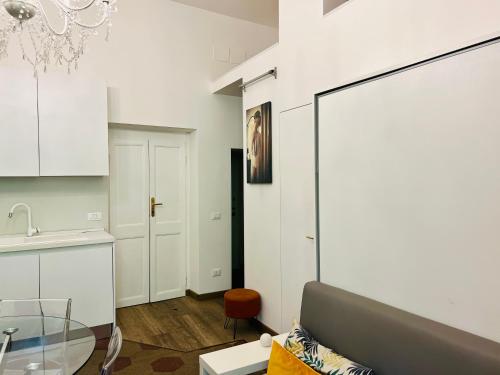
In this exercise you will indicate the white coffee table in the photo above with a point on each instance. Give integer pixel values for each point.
(238, 360)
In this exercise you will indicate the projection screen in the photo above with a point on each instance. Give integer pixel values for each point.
(408, 188)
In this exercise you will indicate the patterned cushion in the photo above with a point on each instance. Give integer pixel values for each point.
(322, 359)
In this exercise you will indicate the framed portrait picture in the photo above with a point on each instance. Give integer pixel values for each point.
(259, 145)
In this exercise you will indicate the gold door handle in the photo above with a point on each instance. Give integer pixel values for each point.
(153, 206)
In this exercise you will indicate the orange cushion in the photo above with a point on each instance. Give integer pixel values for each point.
(241, 303)
(282, 362)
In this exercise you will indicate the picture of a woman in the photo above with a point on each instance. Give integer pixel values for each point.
(259, 153)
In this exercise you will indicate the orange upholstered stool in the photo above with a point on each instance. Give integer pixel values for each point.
(240, 304)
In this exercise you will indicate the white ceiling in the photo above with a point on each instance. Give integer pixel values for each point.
(264, 12)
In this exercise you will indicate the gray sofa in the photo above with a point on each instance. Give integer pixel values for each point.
(392, 341)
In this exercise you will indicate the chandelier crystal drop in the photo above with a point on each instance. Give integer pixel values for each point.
(52, 31)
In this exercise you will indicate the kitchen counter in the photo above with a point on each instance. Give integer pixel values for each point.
(51, 240)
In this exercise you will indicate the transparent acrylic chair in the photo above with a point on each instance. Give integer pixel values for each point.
(114, 347)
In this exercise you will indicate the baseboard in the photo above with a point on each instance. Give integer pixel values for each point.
(262, 327)
(102, 332)
(205, 296)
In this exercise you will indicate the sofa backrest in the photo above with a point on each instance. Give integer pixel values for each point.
(392, 341)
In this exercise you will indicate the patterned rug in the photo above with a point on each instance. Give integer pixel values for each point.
(136, 358)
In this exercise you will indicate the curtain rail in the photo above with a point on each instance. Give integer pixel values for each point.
(273, 72)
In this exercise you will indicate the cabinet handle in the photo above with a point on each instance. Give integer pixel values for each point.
(310, 237)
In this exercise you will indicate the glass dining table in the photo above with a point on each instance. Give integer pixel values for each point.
(44, 345)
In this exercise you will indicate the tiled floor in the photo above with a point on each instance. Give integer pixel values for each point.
(140, 359)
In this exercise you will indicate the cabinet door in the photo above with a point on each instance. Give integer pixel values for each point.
(84, 274)
(73, 125)
(18, 123)
(19, 276)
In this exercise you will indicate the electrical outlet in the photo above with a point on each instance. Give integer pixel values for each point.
(215, 216)
(94, 216)
(216, 272)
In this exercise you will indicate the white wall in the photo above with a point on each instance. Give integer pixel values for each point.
(317, 52)
(262, 201)
(158, 66)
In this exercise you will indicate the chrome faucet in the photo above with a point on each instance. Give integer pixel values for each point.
(31, 230)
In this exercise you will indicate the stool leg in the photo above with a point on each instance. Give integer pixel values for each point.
(235, 326)
(226, 322)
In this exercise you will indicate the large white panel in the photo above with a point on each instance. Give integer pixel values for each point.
(167, 172)
(73, 125)
(18, 123)
(129, 188)
(132, 270)
(408, 190)
(298, 250)
(170, 277)
(19, 276)
(84, 274)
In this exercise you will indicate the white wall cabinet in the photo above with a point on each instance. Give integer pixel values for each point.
(18, 123)
(54, 126)
(19, 276)
(82, 273)
(73, 115)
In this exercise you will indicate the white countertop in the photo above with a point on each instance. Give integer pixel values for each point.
(50, 240)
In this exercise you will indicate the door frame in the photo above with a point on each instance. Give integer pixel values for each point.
(121, 132)
(243, 166)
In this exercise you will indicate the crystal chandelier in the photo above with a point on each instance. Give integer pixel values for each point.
(52, 31)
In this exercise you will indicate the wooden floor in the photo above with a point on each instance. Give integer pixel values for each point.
(183, 324)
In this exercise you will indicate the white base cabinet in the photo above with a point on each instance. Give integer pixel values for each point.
(82, 273)
(19, 276)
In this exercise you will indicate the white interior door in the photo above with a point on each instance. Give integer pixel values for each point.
(298, 250)
(167, 154)
(129, 215)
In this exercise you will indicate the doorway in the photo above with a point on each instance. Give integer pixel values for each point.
(148, 215)
(237, 220)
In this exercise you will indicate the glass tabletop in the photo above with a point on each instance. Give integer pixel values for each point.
(43, 345)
